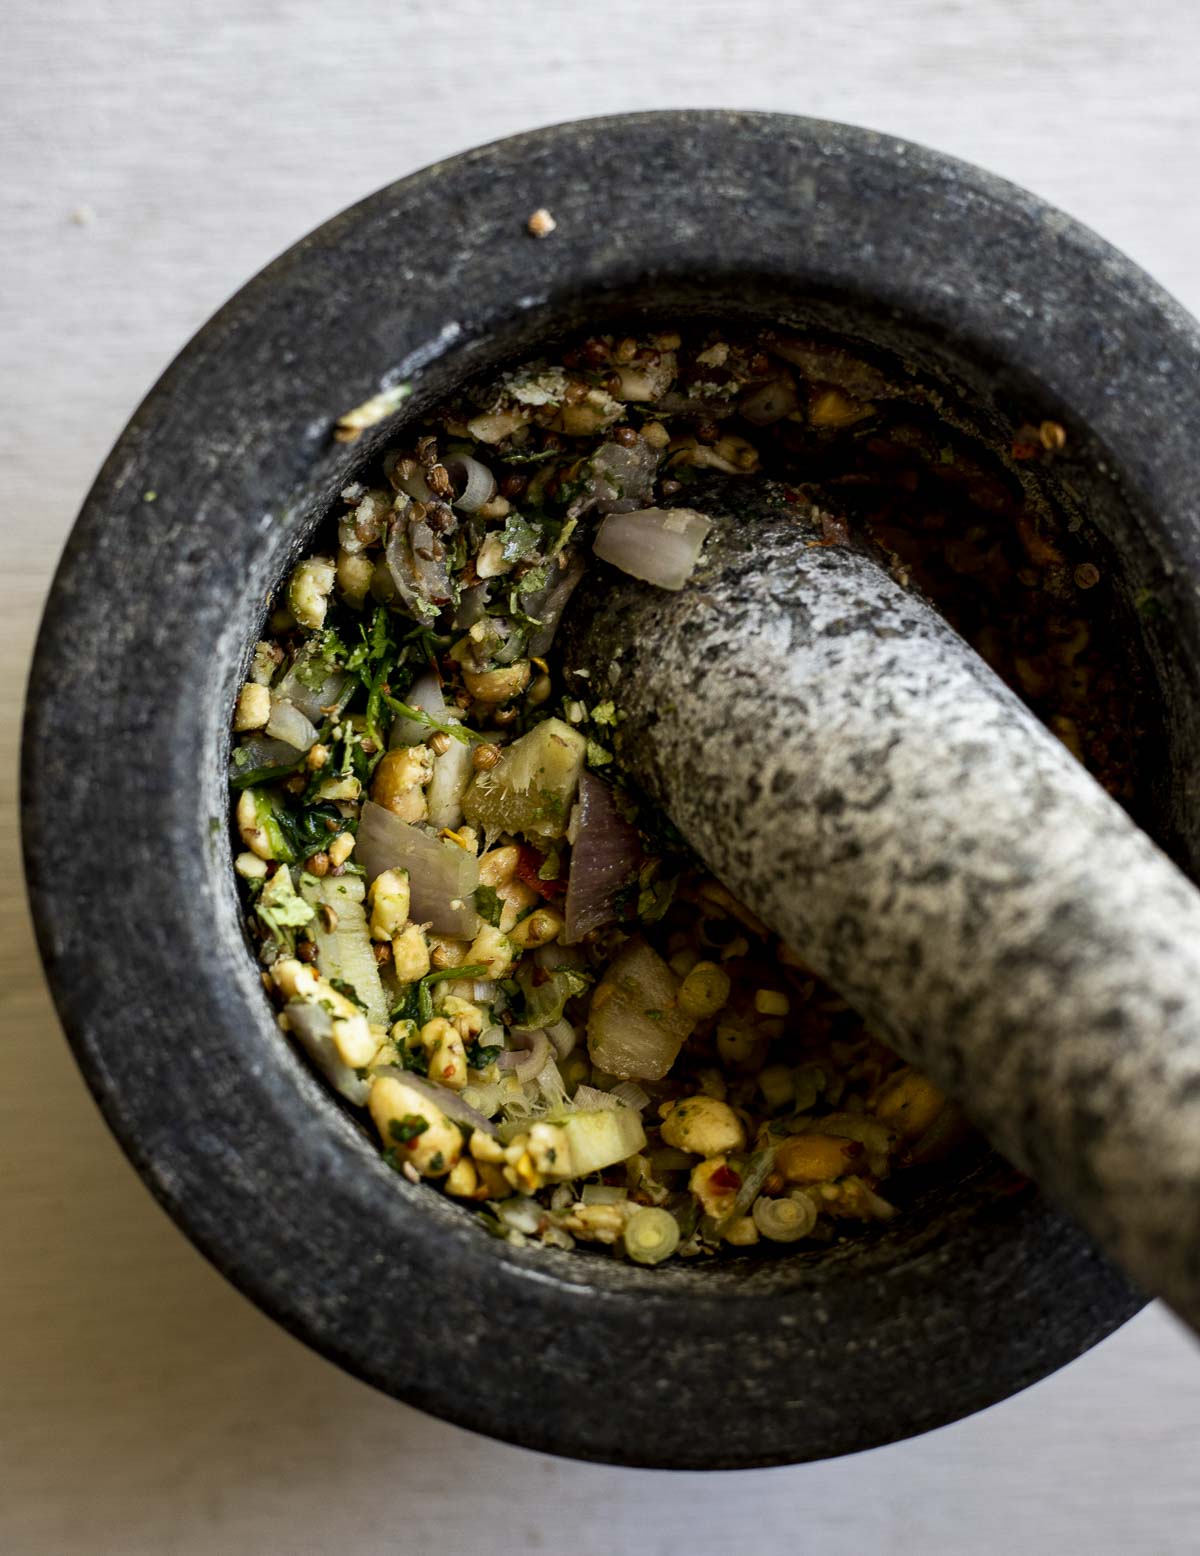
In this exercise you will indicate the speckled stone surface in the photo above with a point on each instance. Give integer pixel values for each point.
(841, 759)
(982, 1288)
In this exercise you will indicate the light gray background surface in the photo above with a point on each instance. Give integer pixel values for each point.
(155, 155)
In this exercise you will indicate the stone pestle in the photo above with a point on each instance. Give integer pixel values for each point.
(856, 774)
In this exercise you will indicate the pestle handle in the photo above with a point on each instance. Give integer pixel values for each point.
(848, 766)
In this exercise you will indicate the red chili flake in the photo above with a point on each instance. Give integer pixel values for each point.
(529, 862)
(725, 1180)
(1024, 450)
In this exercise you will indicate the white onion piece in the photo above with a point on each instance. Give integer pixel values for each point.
(630, 1095)
(417, 556)
(604, 857)
(288, 724)
(440, 874)
(472, 606)
(424, 693)
(485, 1097)
(451, 1104)
(590, 1099)
(453, 769)
(452, 773)
(549, 1083)
(311, 701)
(345, 951)
(474, 482)
(563, 1038)
(415, 485)
(526, 1061)
(659, 545)
(313, 1026)
(520, 1214)
(636, 1028)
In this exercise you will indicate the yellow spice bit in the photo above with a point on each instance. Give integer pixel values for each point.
(523, 1175)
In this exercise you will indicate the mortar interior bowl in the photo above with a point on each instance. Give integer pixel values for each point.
(980, 1288)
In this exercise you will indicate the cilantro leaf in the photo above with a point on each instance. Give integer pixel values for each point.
(322, 655)
(480, 1055)
(488, 905)
(458, 732)
(519, 538)
(425, 998)
(307, 831)
(406, 1129)
(280, 908)
(597, 755)
(406, 1008)
(348, 990)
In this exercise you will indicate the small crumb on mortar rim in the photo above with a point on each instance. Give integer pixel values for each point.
(541, 224)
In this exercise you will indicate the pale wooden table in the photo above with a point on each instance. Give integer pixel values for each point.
(156, 155)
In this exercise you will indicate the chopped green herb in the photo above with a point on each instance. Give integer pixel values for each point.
(348, 991)
(403, 1130)
(519, 538)
(489, 905)
(250, 778)
(425, 997)
(598, 755)
(407, 1008)
(280, 908)
(480, 1055)
(326, 654)
(416, 1059)
(311, 829)
(269, 818)
(473, 970)
(458, 732)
